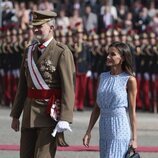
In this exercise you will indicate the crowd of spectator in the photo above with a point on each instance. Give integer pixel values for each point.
(92, 15)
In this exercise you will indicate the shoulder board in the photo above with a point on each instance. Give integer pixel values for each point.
(61, 45)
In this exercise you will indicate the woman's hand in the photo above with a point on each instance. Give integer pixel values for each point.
(133, 144)
(86, 140)
(94, 117)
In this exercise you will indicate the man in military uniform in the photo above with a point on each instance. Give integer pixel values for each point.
(144, 67)
(45, 92)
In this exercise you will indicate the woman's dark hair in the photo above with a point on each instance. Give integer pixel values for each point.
(125, 51)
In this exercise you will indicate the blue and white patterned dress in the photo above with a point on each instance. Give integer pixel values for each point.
(114, 123)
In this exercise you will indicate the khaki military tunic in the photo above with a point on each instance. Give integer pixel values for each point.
(56, 66)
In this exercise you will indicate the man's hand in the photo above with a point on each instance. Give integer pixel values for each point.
(61, 140)
(15, 124)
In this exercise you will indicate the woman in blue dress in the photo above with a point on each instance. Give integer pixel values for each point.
(116, 93)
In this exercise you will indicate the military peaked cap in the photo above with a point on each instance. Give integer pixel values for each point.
(41, 17)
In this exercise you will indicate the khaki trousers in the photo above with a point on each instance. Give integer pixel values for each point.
(37, 143)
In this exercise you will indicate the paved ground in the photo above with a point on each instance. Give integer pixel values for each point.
(147, 134)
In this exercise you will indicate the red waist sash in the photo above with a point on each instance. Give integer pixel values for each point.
(51, 94)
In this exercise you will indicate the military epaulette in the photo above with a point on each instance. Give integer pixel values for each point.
(61, 45)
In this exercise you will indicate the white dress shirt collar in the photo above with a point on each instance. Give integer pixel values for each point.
(47, 42)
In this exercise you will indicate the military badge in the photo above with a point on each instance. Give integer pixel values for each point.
(42, 68)
(52, 68)
(48, 62)
(47, 69)
(46, 75)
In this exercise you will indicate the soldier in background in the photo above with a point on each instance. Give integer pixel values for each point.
(30, 37)
(99, 55)
(69, 38)
(62, 36)
(137, 46)
(81, 69)
(123, 36)
(7, 62)
(14, 74)
(153, 70)
(91, 74)
(116, 35)
(109, 38)
(145, 71)
(57, 34)
(2, 88)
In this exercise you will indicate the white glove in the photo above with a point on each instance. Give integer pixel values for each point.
(89, 73)
(61, 127)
